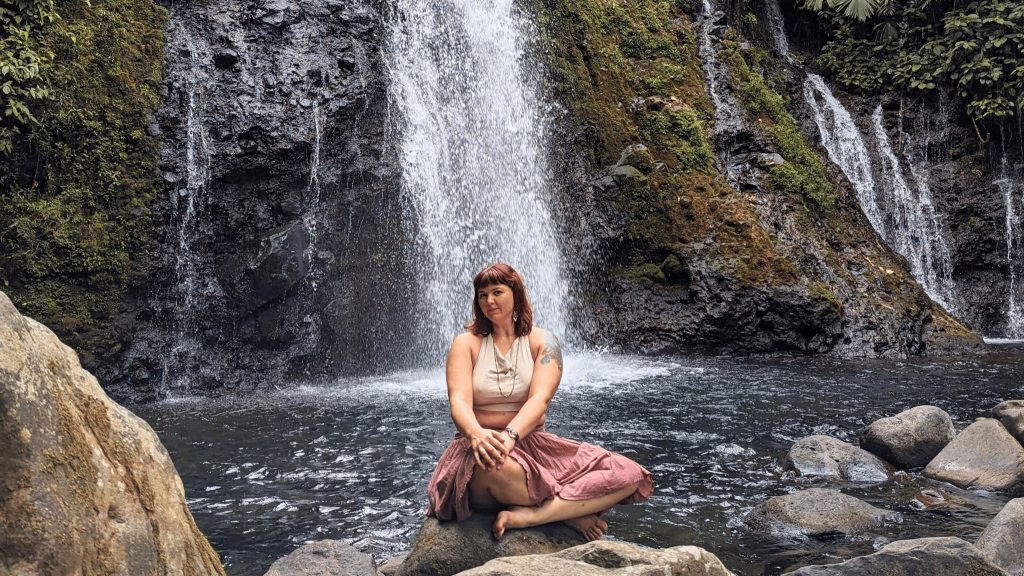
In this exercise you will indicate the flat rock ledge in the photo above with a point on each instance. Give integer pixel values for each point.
(922, 557)
(446, 548)
(87, 486)
(324, 558)
(1002, 541)
(909, 439)
(1011, 414)
(830, 458)
(608, 558)
(984, 456)
(817, 512)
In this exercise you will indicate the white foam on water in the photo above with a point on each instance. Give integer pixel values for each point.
(1004, 341)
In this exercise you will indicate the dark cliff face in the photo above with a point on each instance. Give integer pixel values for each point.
(280, 221)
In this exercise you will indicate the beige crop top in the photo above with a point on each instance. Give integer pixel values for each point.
(494, 388)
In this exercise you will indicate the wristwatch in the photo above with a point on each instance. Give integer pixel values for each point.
(513, 434)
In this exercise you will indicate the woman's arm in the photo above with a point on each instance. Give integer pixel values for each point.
(488, 448)
(547, 373)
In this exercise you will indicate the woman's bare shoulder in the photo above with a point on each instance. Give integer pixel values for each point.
(467, 340)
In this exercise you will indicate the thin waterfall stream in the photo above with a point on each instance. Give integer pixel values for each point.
(474, 159)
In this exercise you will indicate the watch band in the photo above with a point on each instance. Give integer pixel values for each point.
(513, 434)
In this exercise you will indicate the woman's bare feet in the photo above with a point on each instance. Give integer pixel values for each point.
(590, 527)
(514, 517)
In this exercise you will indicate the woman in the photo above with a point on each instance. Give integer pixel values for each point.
(502, 373)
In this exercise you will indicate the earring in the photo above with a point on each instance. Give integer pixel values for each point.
(515, 316)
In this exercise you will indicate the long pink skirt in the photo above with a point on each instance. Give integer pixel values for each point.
(554, 467)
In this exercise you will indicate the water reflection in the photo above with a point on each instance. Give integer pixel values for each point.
(351, 460)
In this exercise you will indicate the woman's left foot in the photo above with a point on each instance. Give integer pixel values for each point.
(590, 527)
(514, 517)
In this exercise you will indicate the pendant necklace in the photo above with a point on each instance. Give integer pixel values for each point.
(515, 366)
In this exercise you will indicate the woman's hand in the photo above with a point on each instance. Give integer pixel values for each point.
(489, 449)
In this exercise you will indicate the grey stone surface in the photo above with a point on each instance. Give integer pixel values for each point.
(817, 512)
(324, 558)
(607, 558)
(87, 487)
(922, 557)
(827, 457)
(911, 438)
(445, 548)
(984, 455)
(393, 565)
(1002, 541)
(1011, 414)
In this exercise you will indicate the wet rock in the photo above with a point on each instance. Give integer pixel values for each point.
(225, 58)
(87, 485)
(1002, 541)
(817, 512)
(920, 557)
(1011, 414)
(983, 456)
(324, 558)
(445, 548)
(828, 457)
(265, 270)
(911, 438)
(607, 558)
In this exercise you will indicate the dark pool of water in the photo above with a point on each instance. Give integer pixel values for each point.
(351, 460)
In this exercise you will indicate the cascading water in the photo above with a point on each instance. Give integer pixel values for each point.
(777, 26)
(309, 218)
(728, 112)
(916, 231)
(842, 140)
(188, 202)
(1014, 252)
(473, 159)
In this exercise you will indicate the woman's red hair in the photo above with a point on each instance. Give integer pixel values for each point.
(501, 274)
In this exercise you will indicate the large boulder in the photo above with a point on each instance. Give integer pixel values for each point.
(86, 487)
(817, 512)
(324, 558)
(827, 457)
(445, 548)
(1011, 414)
(921, 557)
(909, 439)
(984, 455)
(607, 558)
(1002, 542)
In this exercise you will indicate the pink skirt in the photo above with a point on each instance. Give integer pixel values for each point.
(554, 467)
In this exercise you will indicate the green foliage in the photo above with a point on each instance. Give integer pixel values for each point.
(75, 192)
(977, 50)
(21, 24)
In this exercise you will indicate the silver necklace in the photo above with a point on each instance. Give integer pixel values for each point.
(515, 366)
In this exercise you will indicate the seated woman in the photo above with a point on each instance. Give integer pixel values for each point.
(502, 373)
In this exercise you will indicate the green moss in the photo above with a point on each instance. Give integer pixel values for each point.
(803, 174)
(75, 192)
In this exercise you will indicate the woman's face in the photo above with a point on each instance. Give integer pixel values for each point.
(496, 301)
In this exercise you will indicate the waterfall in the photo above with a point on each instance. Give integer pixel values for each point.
(474, 160)
(1014, 237)
(188, 201)
(844, 144)
(728, 112)
(309, 218)
(777, 27)
(916, 231)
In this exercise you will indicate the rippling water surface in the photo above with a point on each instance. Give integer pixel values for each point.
(351, 460)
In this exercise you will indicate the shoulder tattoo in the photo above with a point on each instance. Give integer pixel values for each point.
(552, 351)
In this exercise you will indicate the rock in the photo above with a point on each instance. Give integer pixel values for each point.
(87, 486)
(324, 558)
(984, 456)
(226, 58)
(393, 566)
(909, 439)
(445, 548)
(607, 558)
(817, 512)
(627, 171)
(831, 458)
(921, 557)
(1002, 541)
(1011, 414)
(265, 270)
